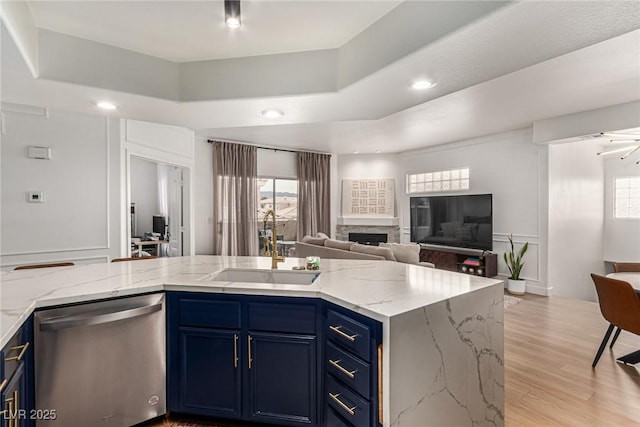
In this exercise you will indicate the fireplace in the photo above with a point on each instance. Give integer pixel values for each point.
(391, 233)
(372, 239)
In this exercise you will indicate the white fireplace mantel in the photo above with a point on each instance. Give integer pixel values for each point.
(372, 220)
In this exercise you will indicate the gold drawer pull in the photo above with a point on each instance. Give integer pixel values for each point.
(23, 349)
(351, 411)
(336, 363)
(337, 330)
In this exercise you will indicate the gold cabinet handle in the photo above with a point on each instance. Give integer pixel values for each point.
(23, 349)
(250, 359)
(10, 412)
(351, 411)
(336, 363)
(235, 350)
(380, 383)
(17, 406)
(337, 330)
(3, 384)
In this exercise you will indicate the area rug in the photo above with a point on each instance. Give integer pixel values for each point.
(510, 300)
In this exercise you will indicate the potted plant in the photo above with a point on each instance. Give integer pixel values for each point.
(515, 263)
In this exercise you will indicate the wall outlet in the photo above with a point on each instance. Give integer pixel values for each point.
(35, 197)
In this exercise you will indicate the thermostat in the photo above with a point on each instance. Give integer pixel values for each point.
(42, 153)
(35, 196)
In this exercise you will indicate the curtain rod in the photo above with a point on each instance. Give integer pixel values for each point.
(211, 141)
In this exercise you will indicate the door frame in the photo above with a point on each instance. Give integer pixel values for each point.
(129, 148)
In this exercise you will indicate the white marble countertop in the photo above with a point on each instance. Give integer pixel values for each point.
(378, 289)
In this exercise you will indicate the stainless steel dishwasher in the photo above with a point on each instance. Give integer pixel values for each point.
(102, 363)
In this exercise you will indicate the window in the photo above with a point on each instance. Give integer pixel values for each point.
(281, 195)
(449, 180)
(627, 198)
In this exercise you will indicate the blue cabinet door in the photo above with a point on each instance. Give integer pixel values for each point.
(282, 378)
(210, 372)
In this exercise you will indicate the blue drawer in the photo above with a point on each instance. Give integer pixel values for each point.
(348, 404)
(203, 313)
(349, 334)
(348, 369)
(295, 318)
(335, 420)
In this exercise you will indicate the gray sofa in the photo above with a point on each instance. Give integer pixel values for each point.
(335, 249)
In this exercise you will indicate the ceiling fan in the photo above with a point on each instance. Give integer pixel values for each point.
(631, 144)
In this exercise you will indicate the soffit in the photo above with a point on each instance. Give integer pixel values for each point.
(183, 31)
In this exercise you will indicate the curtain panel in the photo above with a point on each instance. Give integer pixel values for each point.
(314, 202)
(235, 168)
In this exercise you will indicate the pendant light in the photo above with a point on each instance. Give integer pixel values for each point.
(232, 14)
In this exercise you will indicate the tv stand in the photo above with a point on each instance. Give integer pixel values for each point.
(453, 259)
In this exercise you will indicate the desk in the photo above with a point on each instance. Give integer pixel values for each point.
(156, 243)
(632, 277)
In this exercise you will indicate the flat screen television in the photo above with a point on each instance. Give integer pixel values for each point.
(459, 221)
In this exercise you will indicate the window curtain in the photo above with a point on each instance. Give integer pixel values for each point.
(314, 203)
(235, 168)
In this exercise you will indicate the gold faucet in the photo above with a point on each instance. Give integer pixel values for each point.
(275, 259)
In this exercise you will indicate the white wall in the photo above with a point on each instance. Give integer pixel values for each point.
(621, 236)
(144, 193)
(512, 168)
(204, 197)
(576, 218)
(75, 221)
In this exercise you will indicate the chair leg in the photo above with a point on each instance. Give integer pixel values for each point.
(615, 337)
(603, 344)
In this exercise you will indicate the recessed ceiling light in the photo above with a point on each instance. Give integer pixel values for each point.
(355, 152)
(272, 113)
(233, 23)
(106, 105)
(422, 84)
(378, 151)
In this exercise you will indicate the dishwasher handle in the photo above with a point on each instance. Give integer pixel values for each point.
(75, 321)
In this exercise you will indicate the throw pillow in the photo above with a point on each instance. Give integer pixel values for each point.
(407, 253)
(318, 241)
(373, 250)
(324, 236)
(337, 244)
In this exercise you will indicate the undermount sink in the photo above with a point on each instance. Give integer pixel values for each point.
(281, 277)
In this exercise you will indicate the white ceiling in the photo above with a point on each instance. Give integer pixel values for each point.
(527, 62)
(184, 31)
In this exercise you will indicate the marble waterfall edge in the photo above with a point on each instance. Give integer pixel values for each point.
(452, 372)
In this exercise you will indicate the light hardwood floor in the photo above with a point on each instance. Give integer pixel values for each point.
(549, 346)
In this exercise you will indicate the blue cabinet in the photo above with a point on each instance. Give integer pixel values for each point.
(277, 360)
(209, 372)
(282, 378)
(352, 365)
(16, 379)
(244, 357)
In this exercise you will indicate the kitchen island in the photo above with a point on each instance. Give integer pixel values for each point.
(442, 332)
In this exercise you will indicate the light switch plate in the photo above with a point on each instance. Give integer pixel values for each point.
(35, 197)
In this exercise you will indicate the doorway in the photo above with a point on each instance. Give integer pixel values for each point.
(157, 208)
